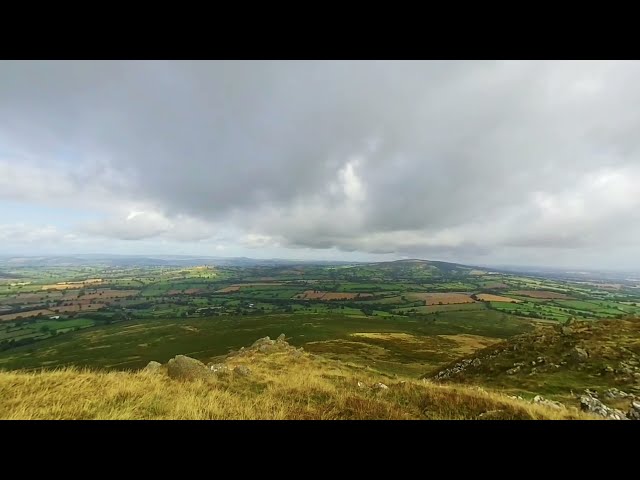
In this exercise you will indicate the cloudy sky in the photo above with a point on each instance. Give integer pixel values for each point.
(488, 162)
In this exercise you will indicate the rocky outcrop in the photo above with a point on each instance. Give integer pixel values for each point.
(591, 404)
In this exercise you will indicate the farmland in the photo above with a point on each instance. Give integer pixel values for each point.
(403, 317)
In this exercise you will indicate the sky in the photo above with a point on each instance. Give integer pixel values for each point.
(477, 162)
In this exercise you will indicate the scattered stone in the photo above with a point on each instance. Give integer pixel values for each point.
(511, 371)
(242, 370)
(152, 367)
(218, 368)
(361, 385)
(281, 338)
(533, 362)
(634, 411)
(186, 368)
(380, 386)
(540, 400)
(518, 364)
(476, 362)
(607, 369)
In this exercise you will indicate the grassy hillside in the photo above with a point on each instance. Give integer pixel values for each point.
(279, 382)
(557, 361)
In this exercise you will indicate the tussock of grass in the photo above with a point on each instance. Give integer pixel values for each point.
(281, 386)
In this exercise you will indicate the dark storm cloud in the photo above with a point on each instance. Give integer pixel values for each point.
(405, 157)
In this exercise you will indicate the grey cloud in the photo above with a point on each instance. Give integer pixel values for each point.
(416, 158)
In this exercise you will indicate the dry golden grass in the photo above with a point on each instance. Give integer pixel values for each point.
(282, 386)
(467, 343)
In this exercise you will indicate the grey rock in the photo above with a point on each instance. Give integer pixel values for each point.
(380, 386)
(595, 406)
(512, 371)
(186, 368)
(476, 362)
(281, 338)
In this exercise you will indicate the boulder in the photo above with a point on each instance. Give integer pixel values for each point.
(187, 368)
(281, 338)
(579, 354)
(634, 411)
(476, 362)
(380, 386)
(152, 367)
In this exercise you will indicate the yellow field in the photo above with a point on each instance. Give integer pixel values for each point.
(487, 297)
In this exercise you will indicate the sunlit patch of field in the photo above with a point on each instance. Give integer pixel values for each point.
(391, 336)
(467, 343)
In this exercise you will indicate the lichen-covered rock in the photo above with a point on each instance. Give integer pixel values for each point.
(186, 368)
(152, 367)
(242, 371)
